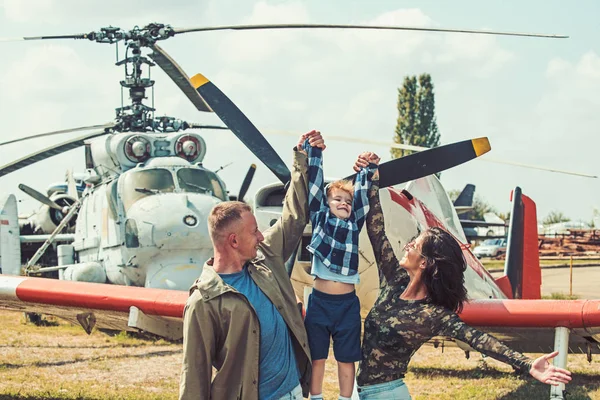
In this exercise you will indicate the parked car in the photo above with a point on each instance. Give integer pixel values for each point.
(490, 248)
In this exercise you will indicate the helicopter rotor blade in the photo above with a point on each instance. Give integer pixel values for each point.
(430, 161)
(39, 197)
(241, 126)
(52, 37)
(193, 125)
(84, 128)
(560, 171)
(246, 182)
(176, 73)
(48, 152)
(370, 27)
(175, 31)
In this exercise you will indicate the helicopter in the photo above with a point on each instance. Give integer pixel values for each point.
(139, 221)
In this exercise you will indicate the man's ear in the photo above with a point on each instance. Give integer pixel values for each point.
(233, 240)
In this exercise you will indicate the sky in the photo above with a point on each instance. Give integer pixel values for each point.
(535, 99)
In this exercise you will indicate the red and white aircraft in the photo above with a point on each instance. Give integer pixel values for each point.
(508, 307)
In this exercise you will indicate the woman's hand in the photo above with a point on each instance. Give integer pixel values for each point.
(364, 159)
(543, 371)
(314, 139)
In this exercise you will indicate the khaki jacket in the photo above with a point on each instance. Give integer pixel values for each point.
(221, 328)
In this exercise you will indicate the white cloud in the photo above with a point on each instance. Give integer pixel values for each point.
(481, 54)
(256, 46)
(571, 100)
(556, 67)
(589, 66)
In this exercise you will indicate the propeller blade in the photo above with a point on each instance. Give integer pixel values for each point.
(494, 160)
(371, 27)
(246, 182)
(83, 128)
(48, 152)
(430, 161)
(176, 73)
(39, 197)
(241, 126)
(420, 148)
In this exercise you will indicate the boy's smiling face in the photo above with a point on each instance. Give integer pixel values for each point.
(340, 203)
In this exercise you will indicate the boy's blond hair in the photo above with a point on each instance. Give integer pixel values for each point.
(343, 184)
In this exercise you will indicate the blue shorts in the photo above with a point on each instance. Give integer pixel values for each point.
(335, 316)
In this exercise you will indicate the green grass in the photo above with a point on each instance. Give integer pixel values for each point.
(62, 362)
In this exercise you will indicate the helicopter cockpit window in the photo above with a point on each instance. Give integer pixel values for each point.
(140, 184)
(200, 181)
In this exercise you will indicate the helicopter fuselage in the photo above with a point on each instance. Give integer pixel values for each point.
(145, 226)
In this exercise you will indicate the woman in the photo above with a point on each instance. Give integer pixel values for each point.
(418, 299)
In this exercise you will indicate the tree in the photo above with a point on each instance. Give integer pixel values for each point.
(555, 217)
(416, 123)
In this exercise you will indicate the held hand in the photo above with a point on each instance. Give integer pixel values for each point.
(375, 159)
(543, 371)
(364, 159)
(314, 139)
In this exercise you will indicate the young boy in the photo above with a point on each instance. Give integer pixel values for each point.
(333, 309)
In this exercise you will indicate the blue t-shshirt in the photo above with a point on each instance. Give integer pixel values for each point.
(278, 371)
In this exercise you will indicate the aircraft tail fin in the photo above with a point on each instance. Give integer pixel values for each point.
(493, 218)
(465, 198)
(10, 243)
(522, 267)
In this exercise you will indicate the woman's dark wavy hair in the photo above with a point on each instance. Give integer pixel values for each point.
(444, 274)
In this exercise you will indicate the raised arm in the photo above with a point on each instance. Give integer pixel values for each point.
(360, 203)
(316, 181)
(282, 238)
(389, 268)
(451, 325)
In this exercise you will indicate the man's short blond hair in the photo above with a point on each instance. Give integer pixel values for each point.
(222, 216)
(343, 184)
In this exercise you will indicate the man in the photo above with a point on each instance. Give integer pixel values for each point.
(241, 316)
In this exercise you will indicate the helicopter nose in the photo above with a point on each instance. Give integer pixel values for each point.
(173, 220)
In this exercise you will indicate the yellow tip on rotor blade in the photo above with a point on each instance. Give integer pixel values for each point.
(198, 80)
(481, 145)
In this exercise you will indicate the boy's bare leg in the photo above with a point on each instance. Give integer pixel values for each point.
(316, 379)
(345, 378)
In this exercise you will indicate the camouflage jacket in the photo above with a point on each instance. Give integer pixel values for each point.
(395, 328)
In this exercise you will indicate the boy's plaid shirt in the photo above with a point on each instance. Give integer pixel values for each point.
(334, 240)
